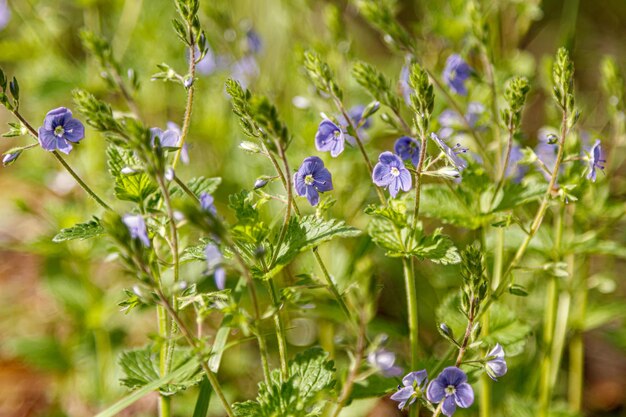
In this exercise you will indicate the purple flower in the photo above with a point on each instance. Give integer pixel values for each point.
(452, 121)
(413, 385)
(391, 172)
(547, 148)
(167, 139)
(245, 70)
(513, 169)
(137, 228)
(9, 158)
(456, 73)
(184, 152)
(451, 153)
(496, 366)
(312, 177)
(255, 45)
(451, 386)
(60, 130)
(5, 14)
(356, 114)
(206, 202)
(405, 87)
(214, 263)
(383, 360)
(330, 137)
(595, 160)
(408, 149)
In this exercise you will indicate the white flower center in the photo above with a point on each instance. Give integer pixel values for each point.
(395, 171)
(450, 389)
(336, 133)
(59, 131)
(308, 180)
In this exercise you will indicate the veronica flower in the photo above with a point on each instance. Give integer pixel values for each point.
(384, 360)
(496, 366)
(547, 149)
(390, 172)
(451, 153)
(5, 14)
(330, 137)
(356, 114)
(311, 179)
(452, 388)
(208, 64)
(9, 158)
(408, 149)
(167, 139)
(595, 160)
(60, 130)
(245, 70)
(405, 87)
(137, 228)
(255, 44)
(411, 388)
(214, 263)
(455, 73)
(184, 152)
(513, 169)
(206, 202)
(452, 121)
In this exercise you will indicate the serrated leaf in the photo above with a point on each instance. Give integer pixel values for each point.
(199, 185)
(80, 231)
(135, 188)
(140, 369)
(515, 195)
(195, 252)
(450, 206)
(375, 386)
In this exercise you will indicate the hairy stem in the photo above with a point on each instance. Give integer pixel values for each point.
(280, 331)
(189, 106)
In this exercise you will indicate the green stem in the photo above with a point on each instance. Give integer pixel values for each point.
(62, 161)
(411, 296)
(545, 389)
(189, 106)
(164, 401)
(576, 345)
(280, 331)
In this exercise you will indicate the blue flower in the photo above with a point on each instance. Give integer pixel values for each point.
(60, 130)
(595, 160)
(495, 365)
(384, 360)
(547, 149)
(245, 70)
(405, 87)
(356, 114)
(451, 153)
(330, 137)
(167, 139)
(513, 169)
(391, 172)
(5, 14)
(9, 158)
(184, 152)
(456, 73)
(206, 202)
(408, 149)
(411, 388)
(311, 179)
(214, 263)
(451, 386)
(452, 121)
(255, 44)
(137, 228)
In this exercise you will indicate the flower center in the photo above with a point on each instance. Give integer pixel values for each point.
(336, 133)
(450, 389)
(308, 180)
(59, 131)
(395, 171)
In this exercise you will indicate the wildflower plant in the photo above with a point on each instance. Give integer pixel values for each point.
(444, 191)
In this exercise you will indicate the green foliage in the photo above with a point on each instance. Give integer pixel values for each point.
(320, 75)
(140, 368)
(381, 14)
(135, 186)
(310, 375)
(197, 186)
(563, 79)
(80, 231)
(422, 98)
(376, 84)
(515, 92)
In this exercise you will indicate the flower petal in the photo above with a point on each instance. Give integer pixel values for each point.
(323, 180)
(436, 391)
(449, 407)
(405, 180)
(47, 140)
(452, 376)
(74, 130)
(382, 175)
(464, 395)
(64, 146)
(312, 195)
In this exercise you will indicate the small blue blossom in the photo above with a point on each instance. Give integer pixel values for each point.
(214, 263)
(245, 70)
(495, 365)
(452, 121)
(184, 152)
(595, 160)
(405, 87)
(547, 149)
(451, 386)
(330, 137)
(137, 228)
(513, 169)
(206, 202)
(167, 139)
(391, 172)
(311, 179)
(9, 158)
(408, 149)
(455, 73)
(5, 14)
(411, 388)
(60, 130)
(255, 44)
(384, 360)
(356, 114)
(451, 153)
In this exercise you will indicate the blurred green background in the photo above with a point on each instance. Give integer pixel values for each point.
(60, 324)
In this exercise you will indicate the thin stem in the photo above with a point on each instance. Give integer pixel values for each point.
(217, 388)
(576, 344)
(288, 189)
(507, 158)
(189, 106)
(418, 181)
(354, 369)
(280, 331)
(543, 207)
(411, 297)
(489, 72)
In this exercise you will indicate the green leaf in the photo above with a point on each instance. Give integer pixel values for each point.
(515, 195)
(195, 252)
(140, 368)
(505, 328)
(598, 315)
(375, 386)
(134, 187)
(204, 398)
(198, 185)
(80, 231)
(306, 233)
(311, 373)
(450, 206)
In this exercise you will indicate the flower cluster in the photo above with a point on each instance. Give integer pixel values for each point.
(456, 73)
